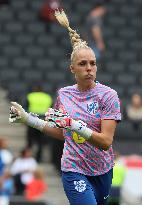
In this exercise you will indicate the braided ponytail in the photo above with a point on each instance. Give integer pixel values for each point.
(76, 41)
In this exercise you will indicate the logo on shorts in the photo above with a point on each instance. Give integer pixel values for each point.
(105, 197)
(80, 186)
(92, 108)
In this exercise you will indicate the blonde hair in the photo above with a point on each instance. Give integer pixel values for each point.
(76, 41)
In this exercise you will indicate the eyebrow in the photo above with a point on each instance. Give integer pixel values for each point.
(87, 60)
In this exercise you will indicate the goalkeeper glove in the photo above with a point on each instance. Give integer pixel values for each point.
(19, 115)
(62, 120)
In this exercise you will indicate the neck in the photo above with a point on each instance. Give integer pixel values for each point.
(85, 87)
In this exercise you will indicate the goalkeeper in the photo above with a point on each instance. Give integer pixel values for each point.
(85, 115)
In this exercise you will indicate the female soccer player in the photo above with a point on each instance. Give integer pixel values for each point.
(85, 115)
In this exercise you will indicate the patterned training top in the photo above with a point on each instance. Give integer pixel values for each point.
(91, 106)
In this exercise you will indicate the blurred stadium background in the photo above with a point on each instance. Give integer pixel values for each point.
(31, 52)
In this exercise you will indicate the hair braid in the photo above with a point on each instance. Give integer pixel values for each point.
(76, 41)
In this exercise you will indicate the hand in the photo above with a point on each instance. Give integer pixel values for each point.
(62, 120)
(17, 113)
(58, 119)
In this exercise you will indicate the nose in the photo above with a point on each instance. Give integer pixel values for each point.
(88, 67)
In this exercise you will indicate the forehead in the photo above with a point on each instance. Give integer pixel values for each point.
(85, 54)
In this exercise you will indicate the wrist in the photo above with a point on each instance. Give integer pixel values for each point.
(80, 128)
(35, 122)
(24, 118)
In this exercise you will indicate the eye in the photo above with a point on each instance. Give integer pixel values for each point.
(92, 63)
(82, 63)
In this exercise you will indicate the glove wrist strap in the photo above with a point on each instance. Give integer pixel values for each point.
(35, 122)
(80, 128)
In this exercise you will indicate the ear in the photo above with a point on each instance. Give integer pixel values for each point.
(72, 68)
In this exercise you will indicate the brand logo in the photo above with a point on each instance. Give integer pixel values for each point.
(92, 107)
(80, 186)
(105, 197)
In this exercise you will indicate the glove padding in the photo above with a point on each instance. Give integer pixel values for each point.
(58, 119)
(17, 113)
(62, 120)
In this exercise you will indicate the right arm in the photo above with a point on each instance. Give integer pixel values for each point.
(19, 115)
(53, 132)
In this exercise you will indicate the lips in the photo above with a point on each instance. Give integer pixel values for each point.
(89, 77)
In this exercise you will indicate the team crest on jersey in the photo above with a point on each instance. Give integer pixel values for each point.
(92, 108)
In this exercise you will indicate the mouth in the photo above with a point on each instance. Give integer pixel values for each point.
(89, 77)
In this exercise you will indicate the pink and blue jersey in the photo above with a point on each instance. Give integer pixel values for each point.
(92, 106)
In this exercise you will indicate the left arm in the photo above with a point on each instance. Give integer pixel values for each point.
(102, 140)
(105, 138)
(110, 115)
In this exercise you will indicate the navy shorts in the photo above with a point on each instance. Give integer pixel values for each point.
(87, 190)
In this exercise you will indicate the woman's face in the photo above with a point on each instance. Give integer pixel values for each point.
(136, 100)
(84, 67)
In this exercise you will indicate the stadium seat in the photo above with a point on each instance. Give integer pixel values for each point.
(134, 89)
(128, 10)
(75, 20)
(18, 5)
(57, 30)
(14, 27)
(4, 39)
(21, 63)
(109, 55)
(55, 76)
(117, 21)
(140, 80)
(31, 76)
(34, 51)
(119, 89)
(83, 8)
(115, 67)
(48, 87)
(104, 78)
(136, 23)
(26, 16)
(35, 29)
(24, 39)
(12, 50)
(44, 64)
(126, 79)
(108, 32)
(117, 44)
(111, 9)
(127, 34)
(121, 2)
(64, 42)
(71, 79)
(5, 15)
(136, 45)
(36, 5)
(56, 53)
(46, 40)
(138, 2)
(126, 56)
(3, 62)
(135, 68)
(139, 131)
(16, 93)
(8, 75)
(121, 131)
